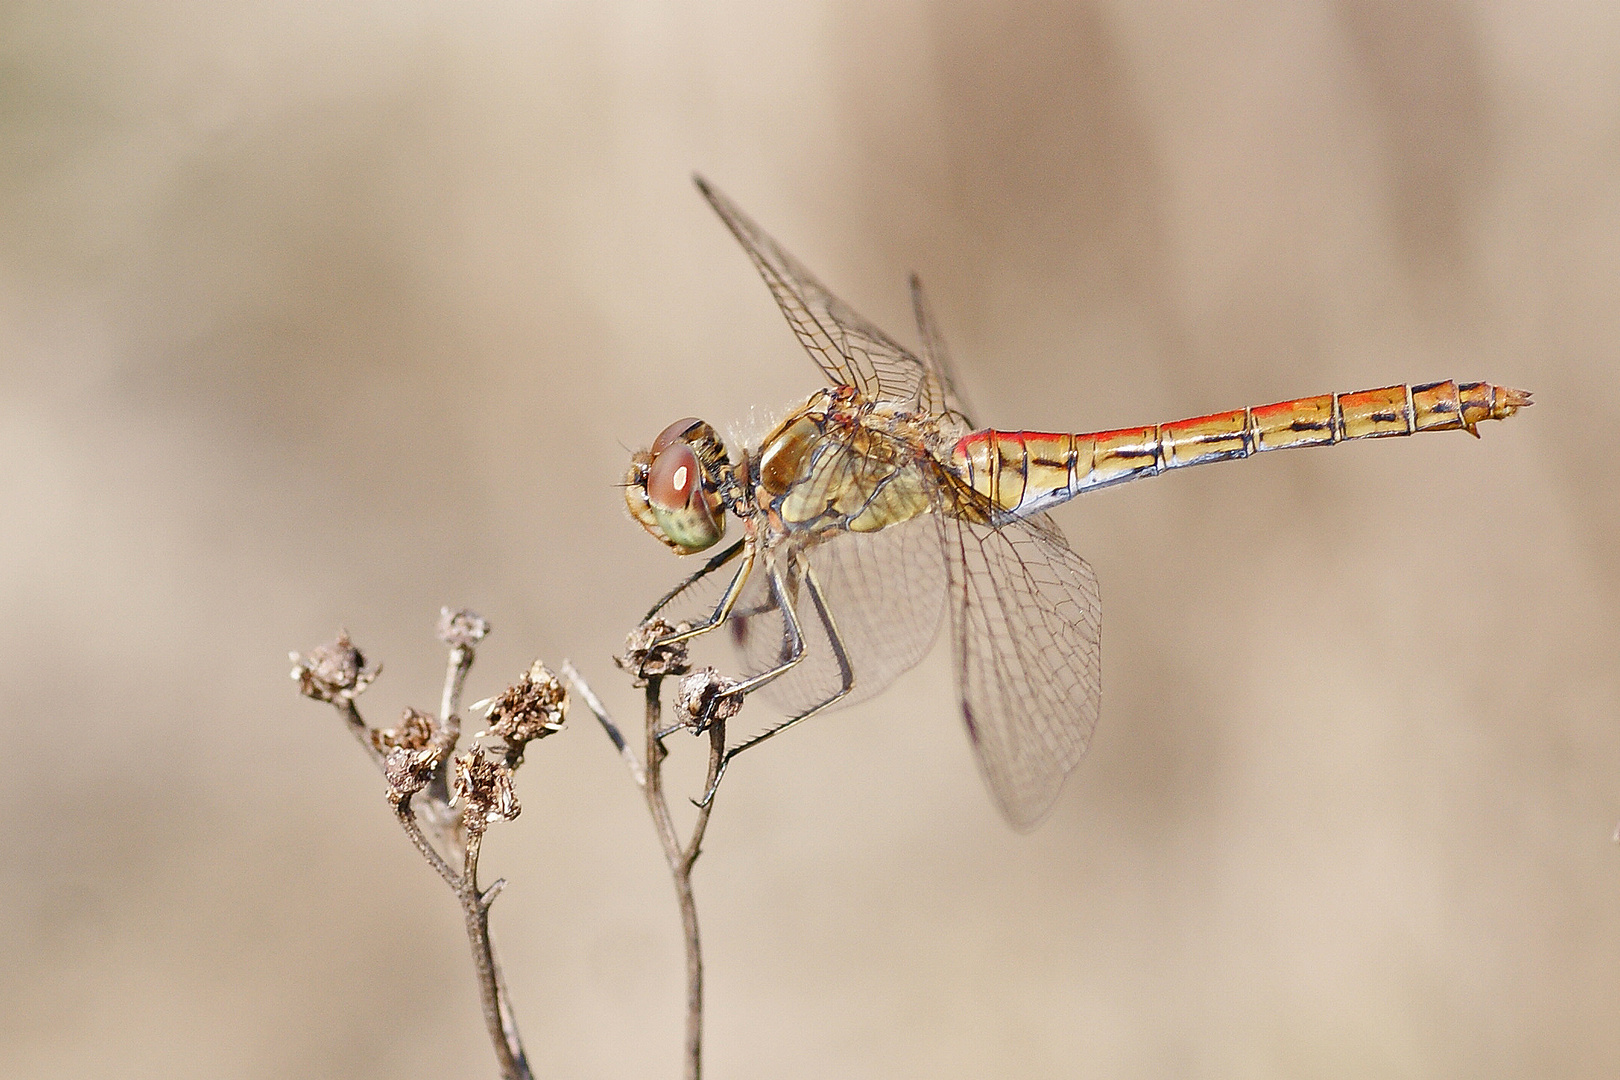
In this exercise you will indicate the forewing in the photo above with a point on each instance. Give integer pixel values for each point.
(942, 395)
(1026, 618)
(849, 350)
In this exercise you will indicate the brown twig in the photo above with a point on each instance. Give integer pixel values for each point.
(475, 904)
(498, 1018)
(407, 821)
(680, 857)
(357, 727)
(417, 761)
(594, 703)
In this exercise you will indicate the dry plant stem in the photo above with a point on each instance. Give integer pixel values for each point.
(407, 821)
(438, 789)
(455, 677)
(447, 825)
(503, 997)
(357, 727)
(499, 1018)
(681, 860)
(475, 906)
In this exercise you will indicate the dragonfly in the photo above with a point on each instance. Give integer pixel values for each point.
(877, 506)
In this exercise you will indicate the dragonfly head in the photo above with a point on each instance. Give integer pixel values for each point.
(673, 489)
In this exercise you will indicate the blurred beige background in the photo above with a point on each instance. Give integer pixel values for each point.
(325, 315)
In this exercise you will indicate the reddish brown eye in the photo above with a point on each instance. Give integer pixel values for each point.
(672, 490)
(673, 477)
(673, 433)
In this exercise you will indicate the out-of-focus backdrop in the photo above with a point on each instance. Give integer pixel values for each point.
(322, 316)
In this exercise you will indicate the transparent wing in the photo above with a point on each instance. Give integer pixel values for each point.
(849, 350)
(942, 394)
(885, 591)
(1026, 619)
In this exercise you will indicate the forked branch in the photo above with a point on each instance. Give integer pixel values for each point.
(458, 798)
(699, 691)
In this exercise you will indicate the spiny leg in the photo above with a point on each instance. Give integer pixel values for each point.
(714, 563)
(722, 610)
(846, 679)
(761, 608)
(792, 640)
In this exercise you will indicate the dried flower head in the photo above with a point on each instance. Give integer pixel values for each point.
(416, 729)
(413, 752)
(461, 628)
(408, 771)
(529, 709)
(483, 787)
(704, 697)
(336, 670)
(645, 657)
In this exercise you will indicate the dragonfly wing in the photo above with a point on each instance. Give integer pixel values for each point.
(1027, 623)
(885, 591)
(941, 392)
(849, 350)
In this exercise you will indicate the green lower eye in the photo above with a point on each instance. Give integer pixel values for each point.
(691, 527)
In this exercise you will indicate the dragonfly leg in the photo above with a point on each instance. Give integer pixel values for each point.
(722, 610)
(792, 638)
(714, 563)
(792, 649)
(846, 679)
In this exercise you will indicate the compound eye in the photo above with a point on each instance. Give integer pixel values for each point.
(674, 433)
(673, 477)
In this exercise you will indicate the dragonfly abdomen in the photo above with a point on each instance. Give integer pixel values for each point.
(1023, 472)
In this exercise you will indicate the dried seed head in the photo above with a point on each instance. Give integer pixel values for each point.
(529, 709)
(416, 729)
(413, 752)
(704, 697)
(408, 771)
(645, 658)
(461, 628)
(336, 670)
(483, 786)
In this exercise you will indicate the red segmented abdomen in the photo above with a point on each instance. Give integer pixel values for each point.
(1022, 472)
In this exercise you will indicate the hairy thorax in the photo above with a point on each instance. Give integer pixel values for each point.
(844, 463)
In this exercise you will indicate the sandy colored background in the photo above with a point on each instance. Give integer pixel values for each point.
(325, 315)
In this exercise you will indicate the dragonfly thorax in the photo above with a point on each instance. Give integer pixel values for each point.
(842, 462)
